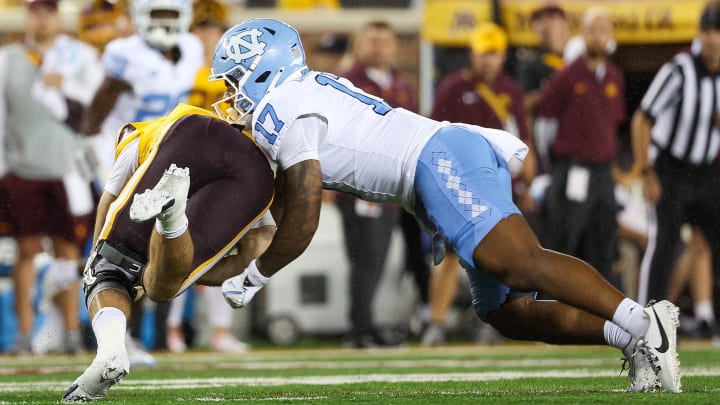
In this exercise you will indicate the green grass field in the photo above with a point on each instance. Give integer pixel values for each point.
(502, 374)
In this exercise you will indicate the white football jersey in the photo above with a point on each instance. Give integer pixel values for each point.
(364, 146)
(158, 84)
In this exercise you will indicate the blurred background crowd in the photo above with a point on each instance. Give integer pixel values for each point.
(618, 100)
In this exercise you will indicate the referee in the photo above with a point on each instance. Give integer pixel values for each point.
(676, 138)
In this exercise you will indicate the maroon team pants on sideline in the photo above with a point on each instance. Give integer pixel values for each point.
(40, 207)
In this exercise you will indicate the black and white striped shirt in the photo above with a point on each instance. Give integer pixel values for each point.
(682, 102)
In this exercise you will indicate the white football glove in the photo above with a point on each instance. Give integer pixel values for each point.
(240, 290)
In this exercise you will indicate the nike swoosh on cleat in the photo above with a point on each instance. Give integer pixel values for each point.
(70, 391)
(664, 344)
(169, 204)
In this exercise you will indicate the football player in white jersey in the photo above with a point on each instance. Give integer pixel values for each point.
(146, 74)
(323, 132)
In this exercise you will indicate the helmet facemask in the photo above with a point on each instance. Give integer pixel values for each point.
(162, 22)
(235, 107)
(240, 102)
(163, 32)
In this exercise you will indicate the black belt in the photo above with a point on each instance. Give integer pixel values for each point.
(118, 258)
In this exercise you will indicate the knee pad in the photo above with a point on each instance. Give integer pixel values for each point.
(100, 275)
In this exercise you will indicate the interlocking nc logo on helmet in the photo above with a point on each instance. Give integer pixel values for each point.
(244, 45)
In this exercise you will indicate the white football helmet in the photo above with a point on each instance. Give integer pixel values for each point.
(162, 32)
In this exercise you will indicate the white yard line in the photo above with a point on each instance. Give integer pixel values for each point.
(329, 365)
(190, 383)
(282, 399)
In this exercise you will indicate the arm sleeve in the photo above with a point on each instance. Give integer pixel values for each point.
(125, 165)
(301, 140)
(663, 91)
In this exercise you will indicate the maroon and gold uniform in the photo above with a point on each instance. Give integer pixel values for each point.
(231, 184)
(589, 109)
(460, 98)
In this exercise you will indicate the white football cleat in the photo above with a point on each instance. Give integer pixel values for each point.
(166, 199)
(97, 379)
(659, 345)
(642, 376)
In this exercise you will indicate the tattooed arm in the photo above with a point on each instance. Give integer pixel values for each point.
(299, 195)
(278, 205)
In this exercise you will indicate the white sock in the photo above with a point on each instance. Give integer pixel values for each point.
(172, 221)
(109, 325)
(631, 317)
(615, 336)
(704, 312)
(170, 227)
